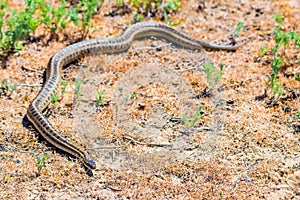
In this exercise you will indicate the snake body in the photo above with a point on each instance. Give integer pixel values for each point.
(107, 46)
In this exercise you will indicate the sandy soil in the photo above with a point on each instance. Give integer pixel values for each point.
(243, 147)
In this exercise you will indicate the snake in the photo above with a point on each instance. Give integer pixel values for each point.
(113, 45)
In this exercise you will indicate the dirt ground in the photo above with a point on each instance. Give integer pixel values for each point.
(243, 147)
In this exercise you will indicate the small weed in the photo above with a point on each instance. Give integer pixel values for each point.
(133, 96)
(213, 75)
(278, 18)
(298, 114)
(222, 66)
(282, 39)
(263, 50)
(5, 88)
(170, 22)
(222, 195)
(6, 178)
(78, 84)
(119, 3)
(54, 18)
(41, 162)
(161, 7)
(197, 116)
(64, 85)
(4, 83)
(172, 5)
(137, 17)
(297, 76)
(16, 27)
(87, 14)
(13, 88)
(100, 97)
(238, 28)
(273, 82)
(87, 8)
(54, 98)
(168, 7)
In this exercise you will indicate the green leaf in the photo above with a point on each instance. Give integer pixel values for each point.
(298, 114)
(100, 97)
(78, 84)
(297, 76)
(213, 75)
(119, 3)
(278, 18)
(263, 50)
(64, 85)
(238, 28)
(54, 98)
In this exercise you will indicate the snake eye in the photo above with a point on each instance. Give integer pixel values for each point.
(89, 162)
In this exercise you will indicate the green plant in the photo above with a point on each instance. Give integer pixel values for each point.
(278, 18)
(213, 75)
(100, 97)
(172, 5)
(222, 195)
(87, 8)
(16, 27)
(263, 50)
(119, 3)
(297, 76)
(197, 116)
(5, 88)
(273, 82)
(54, 18)
(3, 8)
(137, 3)
(282, 39)
(4, 83)
(64, 85)
(13, 88)
(238, 28)
(298, 114)
(54, 98)
(41, 162)
(78, 84)
(222, 66)
(6, 178)
(133, 96)
(166, 7)
(137, 17)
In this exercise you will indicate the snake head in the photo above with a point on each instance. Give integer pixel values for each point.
(89, 162)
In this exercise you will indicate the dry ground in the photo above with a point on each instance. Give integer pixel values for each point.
(243, 148)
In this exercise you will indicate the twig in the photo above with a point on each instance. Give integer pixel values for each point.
(146, 143)
(33, 70)
(106, 147)
(30, 85)
(204, 129)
